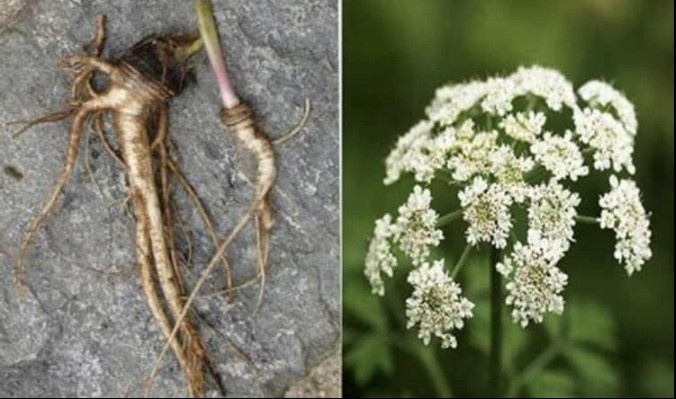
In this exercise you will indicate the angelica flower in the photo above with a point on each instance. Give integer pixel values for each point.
(453, 100)
(436, 304)
(409, 155)
(601, 94)
(472, 155)
(560, 155)
(379, 259)
(420, 153)
(613, 145)
(551, 217)
(509, 170)
(416, 226)
(486, 138)
(534, 284)
(486, 209)
(547, 84)
(622, 211)
(524, 126)
(499, 95)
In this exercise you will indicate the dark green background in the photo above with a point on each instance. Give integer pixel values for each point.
(620, 330)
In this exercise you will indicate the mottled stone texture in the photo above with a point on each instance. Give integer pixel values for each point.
(85, 329)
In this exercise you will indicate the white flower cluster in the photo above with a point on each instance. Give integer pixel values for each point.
(524, 126)
(504, 143)
(496, 95)
(418, 152)
(473, 150)
(560, 155)
(608, 125)
(551, 217)
(486, 209)
(379, 258)
(436, 304)
(414, 232)
(623, 212)
(509, 169)
(416, 228)
(535, 283)
(601, 94)
(612, 145)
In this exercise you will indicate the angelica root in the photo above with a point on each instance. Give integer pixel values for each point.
(135, 100)
(239, 119)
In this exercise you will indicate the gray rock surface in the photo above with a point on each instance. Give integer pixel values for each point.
(85, 329)
(324, 381)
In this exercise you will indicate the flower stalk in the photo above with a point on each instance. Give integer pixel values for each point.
(448, 218)
(587, 219)
(495, 366)
(461, 261)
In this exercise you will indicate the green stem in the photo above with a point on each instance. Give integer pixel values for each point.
(431, 363)
(209, 34)
(448, 218)
(513, 236)
(533, 369)
(532, 100)
(587, 219)
(489, 123)
(461, 261)
(495, 366)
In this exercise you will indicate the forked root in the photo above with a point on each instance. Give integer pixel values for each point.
(52, 117)
(240, 121)
(62, 180)
(81, 109)
(144, 253)
(133, 99)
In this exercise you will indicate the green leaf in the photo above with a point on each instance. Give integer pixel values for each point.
(359, 302)
(552, 384)
(596, 373)
(369, 356)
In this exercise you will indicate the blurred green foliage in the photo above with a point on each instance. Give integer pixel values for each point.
(616, 337)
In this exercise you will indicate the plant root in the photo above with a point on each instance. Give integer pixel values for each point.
(296, 129)
(62, 180)
(239, 119)
(147, 280)
(197, 203)
(158, 142)
(134, 100)
(52, 117)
